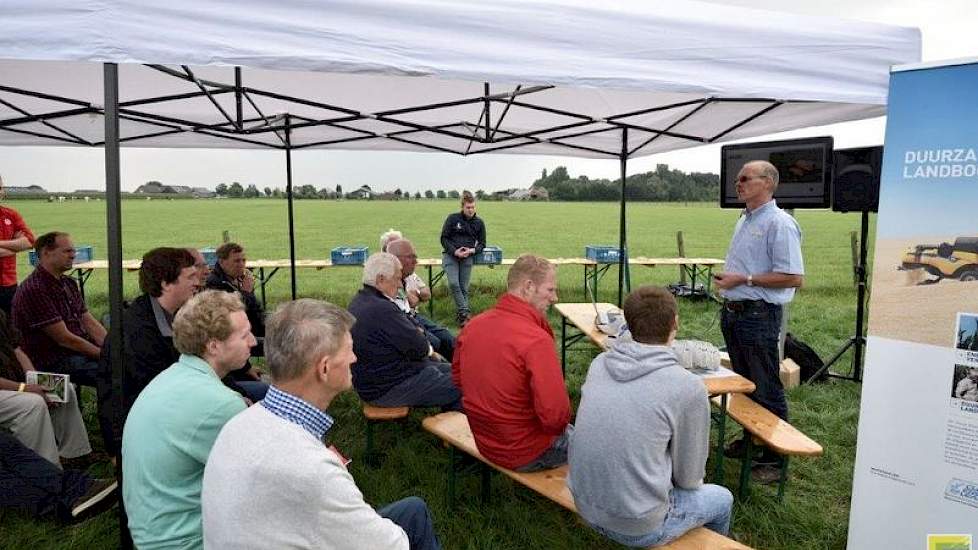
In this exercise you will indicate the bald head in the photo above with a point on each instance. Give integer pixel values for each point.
(404, 251)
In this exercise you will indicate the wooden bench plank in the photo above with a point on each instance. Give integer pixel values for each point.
(766, 426)
(702, 538)
(453, 428)
(385, 413)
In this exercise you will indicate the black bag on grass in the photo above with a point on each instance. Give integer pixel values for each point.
(806, 358)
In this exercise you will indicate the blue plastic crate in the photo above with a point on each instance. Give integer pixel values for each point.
(348, 255)
(491, 255)
(602, 254)
(210, 255)
(83, 253)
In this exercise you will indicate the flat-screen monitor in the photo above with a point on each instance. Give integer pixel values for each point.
(804, 167)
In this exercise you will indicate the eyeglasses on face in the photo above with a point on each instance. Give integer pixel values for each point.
(745, 179)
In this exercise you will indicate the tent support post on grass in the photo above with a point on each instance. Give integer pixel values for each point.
(113, 218)
(623, 274)
(288, 192)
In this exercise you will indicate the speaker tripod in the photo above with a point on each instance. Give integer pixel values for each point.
(857, 342)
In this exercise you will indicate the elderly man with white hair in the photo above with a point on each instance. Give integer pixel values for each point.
(395, 363)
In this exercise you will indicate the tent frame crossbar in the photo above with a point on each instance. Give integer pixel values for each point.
(485, 135)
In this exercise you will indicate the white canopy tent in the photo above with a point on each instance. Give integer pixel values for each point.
(553, 77)
(557, 77)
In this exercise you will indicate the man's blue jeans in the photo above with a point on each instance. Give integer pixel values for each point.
(458, 272)
(411, 514)
(439, 337)
(709, 506)
(752, 335)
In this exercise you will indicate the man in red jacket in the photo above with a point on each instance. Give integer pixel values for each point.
(506, 366)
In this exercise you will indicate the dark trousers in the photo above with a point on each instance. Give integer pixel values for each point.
(83, 371)
(431, 387)
(7, 298)
(30, 483)
(439, 337)
(411, 514)
(751, 331)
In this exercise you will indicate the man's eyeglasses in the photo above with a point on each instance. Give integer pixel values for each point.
(745, 179)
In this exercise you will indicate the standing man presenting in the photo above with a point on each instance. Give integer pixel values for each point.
(763, 268)
(15, 237)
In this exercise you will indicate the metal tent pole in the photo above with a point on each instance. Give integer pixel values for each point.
(288, 193)
(114, 239)
(622, 238)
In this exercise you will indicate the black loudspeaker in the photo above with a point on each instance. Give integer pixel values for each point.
(856, 179)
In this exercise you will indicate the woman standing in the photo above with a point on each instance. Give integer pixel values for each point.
(462, 236)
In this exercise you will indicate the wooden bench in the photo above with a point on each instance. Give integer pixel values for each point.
(453, 429)
(379, 414)
(773, 432)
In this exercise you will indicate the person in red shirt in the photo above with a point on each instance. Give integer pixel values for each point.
(506, 366)
(15, 237)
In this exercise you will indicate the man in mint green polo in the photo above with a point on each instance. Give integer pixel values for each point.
(173, 423)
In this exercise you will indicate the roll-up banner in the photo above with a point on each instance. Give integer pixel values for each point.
(915, 484)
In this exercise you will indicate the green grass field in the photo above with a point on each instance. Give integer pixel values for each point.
(816, 507)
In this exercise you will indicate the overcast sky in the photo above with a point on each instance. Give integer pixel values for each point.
(949, 29)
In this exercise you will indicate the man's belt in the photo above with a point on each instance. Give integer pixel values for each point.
(738, 306)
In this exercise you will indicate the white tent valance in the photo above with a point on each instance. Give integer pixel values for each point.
(540, 77)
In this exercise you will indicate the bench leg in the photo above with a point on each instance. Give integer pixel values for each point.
(486, 489)
(784, 478)
(451, 477)
(745, 465)
(721, 439)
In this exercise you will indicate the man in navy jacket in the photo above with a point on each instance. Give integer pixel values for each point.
(394, 365)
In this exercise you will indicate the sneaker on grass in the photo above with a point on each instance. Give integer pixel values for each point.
(102, 494)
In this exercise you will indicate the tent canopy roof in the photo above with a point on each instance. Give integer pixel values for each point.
(554, 77)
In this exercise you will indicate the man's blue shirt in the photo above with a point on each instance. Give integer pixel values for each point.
(765, 240)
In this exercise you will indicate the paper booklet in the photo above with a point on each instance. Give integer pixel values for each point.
(55, 384)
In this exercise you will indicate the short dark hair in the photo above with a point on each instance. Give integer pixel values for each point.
(225, 250)
(650, 312)
(162, 265)
(467, 197)
(48, 241)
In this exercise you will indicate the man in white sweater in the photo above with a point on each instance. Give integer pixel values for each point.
(271, 482)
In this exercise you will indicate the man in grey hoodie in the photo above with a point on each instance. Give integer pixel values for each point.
(639, 448)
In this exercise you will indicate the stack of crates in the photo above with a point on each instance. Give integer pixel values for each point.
(210, 255)
(348, 255)
(83, 254)
(602, 254)
(490, 255)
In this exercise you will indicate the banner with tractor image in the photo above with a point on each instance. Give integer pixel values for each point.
(915, 483)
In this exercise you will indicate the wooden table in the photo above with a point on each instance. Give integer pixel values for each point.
(581, 316)
(694, 268)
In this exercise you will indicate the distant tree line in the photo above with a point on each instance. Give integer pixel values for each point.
(661, 185)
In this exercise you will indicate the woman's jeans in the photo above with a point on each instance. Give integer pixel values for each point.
(458, 272)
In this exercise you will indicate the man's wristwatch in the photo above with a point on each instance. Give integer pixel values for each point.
(750, 280)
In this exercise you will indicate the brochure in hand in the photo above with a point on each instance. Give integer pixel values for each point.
(55, 384)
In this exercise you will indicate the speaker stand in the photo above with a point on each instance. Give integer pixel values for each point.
(857, 342)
